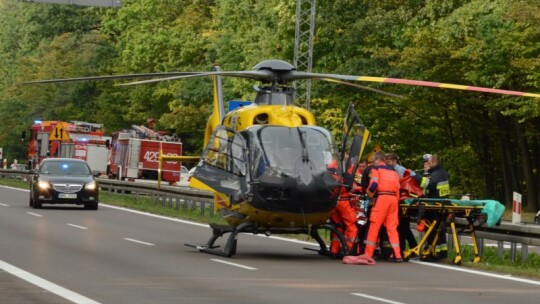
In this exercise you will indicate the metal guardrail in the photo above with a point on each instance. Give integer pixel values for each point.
(526, 234)
(18, 174)
(168, 196)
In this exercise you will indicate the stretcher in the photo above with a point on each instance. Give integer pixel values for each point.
(435, 214)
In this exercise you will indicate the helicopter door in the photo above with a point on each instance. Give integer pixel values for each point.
(355, 138)
(224, 165)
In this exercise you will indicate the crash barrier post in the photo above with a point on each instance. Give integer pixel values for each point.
(516, 208)
(480, 245)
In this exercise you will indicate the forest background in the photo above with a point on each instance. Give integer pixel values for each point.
(490, 144)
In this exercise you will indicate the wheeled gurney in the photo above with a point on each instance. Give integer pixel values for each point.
(446, 211)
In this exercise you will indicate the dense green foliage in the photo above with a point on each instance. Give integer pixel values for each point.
(490, 144)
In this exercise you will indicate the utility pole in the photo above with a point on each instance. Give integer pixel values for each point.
(303, 48)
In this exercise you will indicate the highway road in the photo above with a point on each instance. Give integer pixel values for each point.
(113, 255)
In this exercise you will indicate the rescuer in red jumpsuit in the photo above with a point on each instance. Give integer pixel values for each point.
(384, 187)
(344, 218)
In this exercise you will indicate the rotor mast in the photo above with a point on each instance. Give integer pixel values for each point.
(303, 48)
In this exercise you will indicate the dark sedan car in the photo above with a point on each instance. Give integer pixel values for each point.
(64, 181)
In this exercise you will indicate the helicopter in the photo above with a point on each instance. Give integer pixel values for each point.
(271, 169)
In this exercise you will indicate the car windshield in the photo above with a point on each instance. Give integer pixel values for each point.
(64, 168)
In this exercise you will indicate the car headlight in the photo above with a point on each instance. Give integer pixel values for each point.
(91, 186)
(43, 185)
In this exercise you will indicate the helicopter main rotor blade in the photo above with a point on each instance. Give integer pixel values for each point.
(303, 75)
(363, 87)
(111, 77)
(264, 75)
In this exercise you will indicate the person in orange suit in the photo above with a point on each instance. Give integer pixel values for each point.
(343, 216)
(384, 188)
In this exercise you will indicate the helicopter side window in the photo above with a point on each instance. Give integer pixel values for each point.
(225, 150)
(238, 156)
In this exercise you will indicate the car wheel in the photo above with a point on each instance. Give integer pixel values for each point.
(91, 206)
(36, 204)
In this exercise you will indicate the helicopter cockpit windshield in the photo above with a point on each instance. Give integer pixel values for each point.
(285, 151)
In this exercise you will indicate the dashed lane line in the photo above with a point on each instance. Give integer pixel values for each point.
(363, 295)
(234, 264)
(77, 226)
(139, 242)
(34, 214)
(4, 205)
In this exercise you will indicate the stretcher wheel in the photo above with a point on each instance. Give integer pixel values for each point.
(406, 254)
(476, 259)
(425, 258)
(457, 260)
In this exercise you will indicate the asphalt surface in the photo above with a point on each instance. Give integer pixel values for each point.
(115, 256)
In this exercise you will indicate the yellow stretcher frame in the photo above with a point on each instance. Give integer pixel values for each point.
(448, 211)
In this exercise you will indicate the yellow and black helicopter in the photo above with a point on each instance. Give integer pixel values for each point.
(271, 168)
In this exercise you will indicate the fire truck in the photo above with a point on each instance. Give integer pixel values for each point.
(73, 139)
(134, 154)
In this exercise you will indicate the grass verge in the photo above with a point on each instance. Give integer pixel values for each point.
(145, 203)
(490, 260)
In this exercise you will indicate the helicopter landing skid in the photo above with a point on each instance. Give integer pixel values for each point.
(314, 233)
(230, 245)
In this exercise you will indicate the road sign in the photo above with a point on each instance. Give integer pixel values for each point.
(59, 132)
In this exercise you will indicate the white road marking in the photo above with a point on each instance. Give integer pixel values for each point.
(375, 298)
(77, 226)
(13, 188)
(234, 264)
(139, 242)
(4, 205)
(34, 214)
(44, 284)
(486, 274)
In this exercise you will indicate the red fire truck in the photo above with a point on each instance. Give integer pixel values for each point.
(134, 153)
(73, 139)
